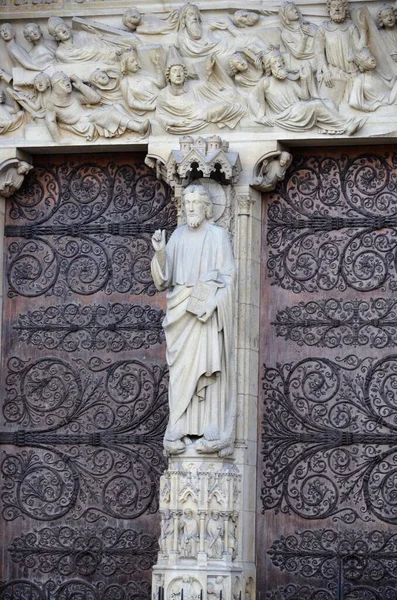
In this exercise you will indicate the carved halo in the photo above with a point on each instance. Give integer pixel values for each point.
(217, 195)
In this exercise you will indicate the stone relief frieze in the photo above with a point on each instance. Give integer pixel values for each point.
(187, 69)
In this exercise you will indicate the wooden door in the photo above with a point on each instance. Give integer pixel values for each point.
(327, 462)
(83, 382)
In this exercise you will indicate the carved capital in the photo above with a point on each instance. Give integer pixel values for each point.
(245, 201)
(12, 175)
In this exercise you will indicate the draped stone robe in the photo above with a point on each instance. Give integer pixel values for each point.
(201, 392)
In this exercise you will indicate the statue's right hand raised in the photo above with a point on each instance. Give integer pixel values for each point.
(158, 240)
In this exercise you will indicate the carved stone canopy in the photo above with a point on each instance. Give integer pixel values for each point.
(204, 157)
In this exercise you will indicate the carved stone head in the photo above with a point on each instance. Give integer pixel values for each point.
(197, 204)
(338, 10)
(59, 29)
(275, 65)
(245, 18)
(42, 82)
(131, 18)
(32, 32)
(130, 63)
(289, 13)
(190, 20)
(61, 83)
(237, 64)
(386, 16)
(7, 32)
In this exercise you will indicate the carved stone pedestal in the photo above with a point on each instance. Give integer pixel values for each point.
(200, 505)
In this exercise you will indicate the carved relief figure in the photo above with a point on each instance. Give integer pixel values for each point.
(216, 589)
(107, 82)
(272, 171)
(215, 531)
(80, 46)
(140, 89)
(370, 89)
(36, 103)
(65, 110)
(189, 534)
(10, 116)
(291, 104)
(195, 38)
(198, 260)
(186, 106)
(388, 28)
(13, 177)
(297, 35)
(185, 588)
(246, 68)
(148, 24)
(41, 53)
(338, 41)
(167, 532)
(19, 56)
(233, 543)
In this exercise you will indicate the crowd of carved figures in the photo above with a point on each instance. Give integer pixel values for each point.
(185, 70)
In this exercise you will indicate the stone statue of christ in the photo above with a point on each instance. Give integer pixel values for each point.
(198, 270)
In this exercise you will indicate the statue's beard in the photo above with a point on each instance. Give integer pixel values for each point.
(338, 18)
(195, 30)
(280, 73)
(193, 221)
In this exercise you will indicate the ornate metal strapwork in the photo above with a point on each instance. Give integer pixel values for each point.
(112, 327)
(94, 436)
(20, 589)
(335, 323)
(74, 551)
(85, 228)
(329, 439)
(352, 555)
(332, 592)
(333, 224)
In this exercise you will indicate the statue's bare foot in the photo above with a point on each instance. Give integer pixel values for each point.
(226, 451)
(174, 447)
(187, 440)
(203, 445)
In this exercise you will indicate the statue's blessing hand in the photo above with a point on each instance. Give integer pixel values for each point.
(158, 240)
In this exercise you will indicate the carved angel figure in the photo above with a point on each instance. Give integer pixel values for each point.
(65, 110)
(272, 171)
(387, 22)
(290, 102)
(185, 106)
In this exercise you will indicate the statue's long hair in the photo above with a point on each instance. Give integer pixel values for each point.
(204, 194)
